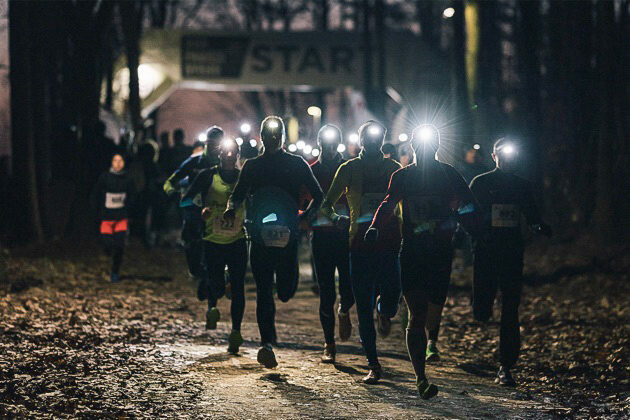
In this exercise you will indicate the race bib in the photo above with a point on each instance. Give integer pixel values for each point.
(505, 215)
(115, 200)
(370, 203)
(275, 236)
(226, 227)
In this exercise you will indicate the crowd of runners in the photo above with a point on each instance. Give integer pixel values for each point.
(385, 221)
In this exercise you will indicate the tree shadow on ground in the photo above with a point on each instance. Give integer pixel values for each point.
(142, 277)
(341, 349)
(481, 369)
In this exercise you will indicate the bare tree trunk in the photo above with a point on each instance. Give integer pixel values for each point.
(131, 17)
(427, 20)
(324, 10)
(458, 60)
(603, 216)
(528, 46)
(20, 47)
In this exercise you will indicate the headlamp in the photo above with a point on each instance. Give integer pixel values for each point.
(374, 130)
(330, 134)
(506, 149)
(246, 128)
(273, 124)
(427, 133)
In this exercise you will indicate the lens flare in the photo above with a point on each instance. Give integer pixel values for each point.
(507, 149)
(449, 12)
(246, 128)
(330, 134)
(374, 130)
(426, 133)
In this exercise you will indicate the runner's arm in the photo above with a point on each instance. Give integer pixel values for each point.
(172, 182)
(532, 214)
(313, 188)
(242, 187)
(200, 185)
(394, 194)
(336, 190)
(465, 205)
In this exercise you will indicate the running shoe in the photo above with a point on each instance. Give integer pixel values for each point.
(234, 341)
(267, 357)
(504, 377)
(330, 352)
(426, 390)
(433, 354)
(345, 325)
(114, 278)
(212, 317)
(374, 375)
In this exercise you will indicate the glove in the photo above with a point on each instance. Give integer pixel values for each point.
(342, 222)
(168, 188)
(229, 214)
(205, 213)
(371, 235)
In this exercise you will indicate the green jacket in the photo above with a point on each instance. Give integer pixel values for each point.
(364, 181)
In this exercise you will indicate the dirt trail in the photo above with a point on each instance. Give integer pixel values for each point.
(78, 346)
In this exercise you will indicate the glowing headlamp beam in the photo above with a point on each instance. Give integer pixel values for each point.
(374, 130)
(426, 133)
(330, 134)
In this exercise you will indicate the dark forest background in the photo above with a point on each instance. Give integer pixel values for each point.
(555, 72)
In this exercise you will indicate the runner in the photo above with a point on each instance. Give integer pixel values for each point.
(114, 192)
(434, 198)
(224, 241)
(191, 206)
(498, 263)
(272, 182)
(373, 267)
(330, 248)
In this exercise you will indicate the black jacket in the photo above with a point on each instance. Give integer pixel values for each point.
(114, 194)
(274, 184)
(504, 198)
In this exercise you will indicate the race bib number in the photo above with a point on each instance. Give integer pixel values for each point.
(226, 227)
(505, 215)
(370, 203)
(115, 200)
(275, 236)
